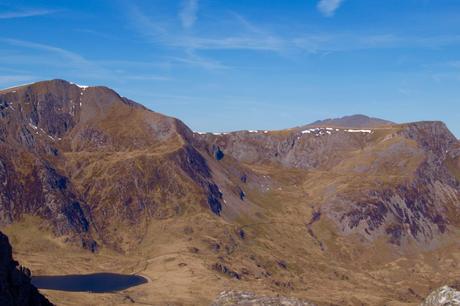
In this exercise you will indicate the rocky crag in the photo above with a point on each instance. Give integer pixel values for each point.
(444, 296)
(236, 298)
(15, 286)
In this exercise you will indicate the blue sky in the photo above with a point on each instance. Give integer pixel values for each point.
(246, 64)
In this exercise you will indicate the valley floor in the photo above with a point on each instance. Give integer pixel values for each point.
(179, 275)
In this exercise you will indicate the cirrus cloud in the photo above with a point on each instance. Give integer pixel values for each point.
(328, 7)
(188, 13)
(26, 13)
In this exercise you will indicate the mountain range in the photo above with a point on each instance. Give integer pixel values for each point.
(348, 211)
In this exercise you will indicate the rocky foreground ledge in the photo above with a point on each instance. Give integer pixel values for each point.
(240, 298)
(15, 286)
(444, 296)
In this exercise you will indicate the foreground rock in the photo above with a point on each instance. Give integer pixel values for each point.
(15, 286)
(444, 296)
(228, 298)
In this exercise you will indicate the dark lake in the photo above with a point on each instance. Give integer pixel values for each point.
(98, 282)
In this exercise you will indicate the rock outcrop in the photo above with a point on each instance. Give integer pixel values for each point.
(230, 298)
(15, 286)
(444, 296)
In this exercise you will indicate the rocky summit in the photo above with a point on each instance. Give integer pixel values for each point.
(348, 211)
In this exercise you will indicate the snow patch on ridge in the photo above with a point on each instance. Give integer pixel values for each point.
(81, 86)
(39, 131)
(309, 131)
(359, 131)
(329, 131)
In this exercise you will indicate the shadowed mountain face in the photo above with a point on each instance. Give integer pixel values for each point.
(335, 199)
(15, 286)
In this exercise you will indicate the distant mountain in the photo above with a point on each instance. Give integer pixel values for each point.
(309, 212)
(354, 121)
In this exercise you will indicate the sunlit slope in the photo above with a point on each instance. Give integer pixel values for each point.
(314, 212)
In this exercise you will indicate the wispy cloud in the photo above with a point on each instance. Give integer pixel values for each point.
(188, 13)
(69, 62)
(454, 64)
(170, 36)
(193, 59)
(73, 64)
(15, 79)
(26, 13)
(69, 55)
(71, 59)
(147, 78)
(328, 7)
(344, 42)
(153, 30)
(235, 32)
(231, 43)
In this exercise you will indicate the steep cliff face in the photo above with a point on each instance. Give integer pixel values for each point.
(92, 162)
(15, 286)
(306, 149)
(423, 205)
(32, 120)
(397, 180)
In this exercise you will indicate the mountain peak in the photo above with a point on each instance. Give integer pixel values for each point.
(49, 85)
(353, 121)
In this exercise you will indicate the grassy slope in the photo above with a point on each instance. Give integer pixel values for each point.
(176, 240)
(276, 256)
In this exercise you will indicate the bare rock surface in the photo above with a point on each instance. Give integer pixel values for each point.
(444, 296)
(240, 298)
